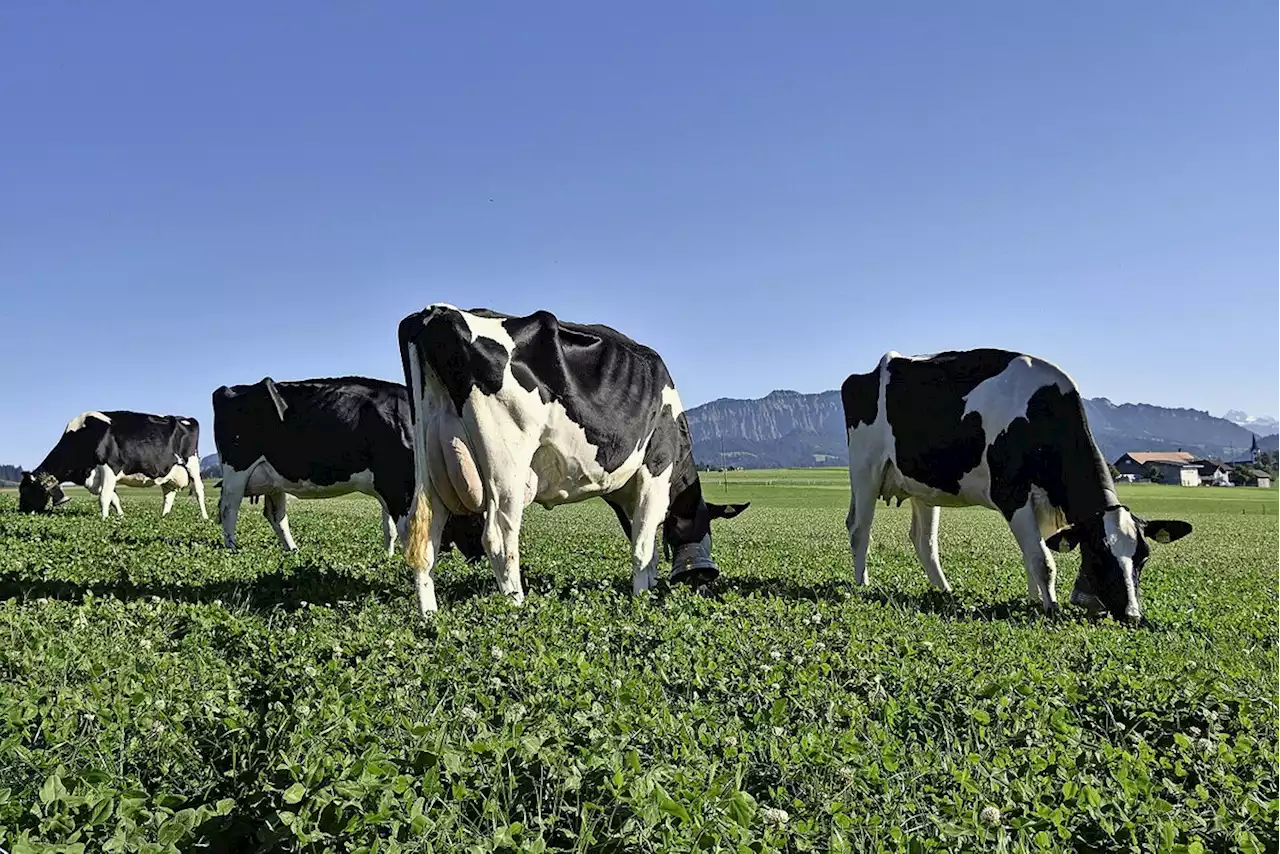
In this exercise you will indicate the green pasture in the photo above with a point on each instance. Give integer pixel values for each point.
(160, 694)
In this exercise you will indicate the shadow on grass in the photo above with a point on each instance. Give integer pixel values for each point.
(286, 589)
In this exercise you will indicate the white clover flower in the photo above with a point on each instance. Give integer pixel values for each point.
(497, 653)
(88, 716)
(218, 602)
(779, 732)
(389, 643)
(797, 659)
(846, 773)
(616, 683)
(816, 618)
(157, 727)
(990, 814)
(144, 643)
(42, 601)
(664, 658)
(470, 715)
(155, 599)
(773, 815)
(337, 650)
(820, 646)
(775, 655)
(731, 740)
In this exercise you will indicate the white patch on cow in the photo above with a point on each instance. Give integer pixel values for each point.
(1121, 538)
(670, 398)
(264, 479)
(488, 327)
(1003, 399)
(79, 421)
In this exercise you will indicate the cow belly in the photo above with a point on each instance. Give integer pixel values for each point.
(565, 478)
(264, 479)
(974, 489)
(176, 477)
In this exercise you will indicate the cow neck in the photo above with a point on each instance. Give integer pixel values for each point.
(1089, 491)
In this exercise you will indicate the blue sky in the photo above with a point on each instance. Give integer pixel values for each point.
(770, 194)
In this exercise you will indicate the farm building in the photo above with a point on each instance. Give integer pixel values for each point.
(1173, 467)
(1213, 472)
(1258, 477)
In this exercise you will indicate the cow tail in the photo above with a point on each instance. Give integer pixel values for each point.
(419, 534)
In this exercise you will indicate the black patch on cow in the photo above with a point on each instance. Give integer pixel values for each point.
(444, 342)
(1051, 448)
(860, 396)
(936, 443)
(132, 443)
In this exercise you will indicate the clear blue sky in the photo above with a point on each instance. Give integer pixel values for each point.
(770, 194)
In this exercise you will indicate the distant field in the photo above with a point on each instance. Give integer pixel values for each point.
(159, 694)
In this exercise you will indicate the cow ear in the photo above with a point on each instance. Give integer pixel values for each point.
(726, 511)
(274, 393)
(1064, 541)
(1166, 530)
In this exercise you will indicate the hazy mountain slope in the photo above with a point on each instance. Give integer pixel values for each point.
(787, 429)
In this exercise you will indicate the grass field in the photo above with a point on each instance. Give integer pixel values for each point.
(160, 694)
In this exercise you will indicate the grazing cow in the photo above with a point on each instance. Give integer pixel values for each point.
(103, 450)
(512, 410)
(1001, 430)
(316, 439)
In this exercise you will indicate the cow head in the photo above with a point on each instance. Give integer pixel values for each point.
(37, 490)
(686, 535)
(1113, 548)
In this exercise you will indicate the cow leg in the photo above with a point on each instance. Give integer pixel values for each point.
(231, 494)
(862, 511)
(501, 538)
(192, 465)
(652, 501)
(389, 529)
(425, 557)
(924, 535)
(275, 510)
(168, 501)
(1041, 570)
(107, 491)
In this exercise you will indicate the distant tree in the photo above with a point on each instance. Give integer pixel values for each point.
(1153, 474)
(1267, 461)
(1115, 472)
(12, 474)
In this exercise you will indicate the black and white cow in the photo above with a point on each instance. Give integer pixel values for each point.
(104, 450)
(319, 438)
(512, 410)
(1000, 430)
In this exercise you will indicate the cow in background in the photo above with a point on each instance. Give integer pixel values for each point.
(319, 438)
(105, 450)
(1001, 430)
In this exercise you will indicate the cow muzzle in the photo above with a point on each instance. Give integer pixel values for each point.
(692, 564)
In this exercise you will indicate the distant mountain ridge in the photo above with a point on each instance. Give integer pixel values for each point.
(1263, 425)
(788, 429)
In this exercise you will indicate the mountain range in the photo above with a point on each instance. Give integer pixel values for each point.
(787, 429)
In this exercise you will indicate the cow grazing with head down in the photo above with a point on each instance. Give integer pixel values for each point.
(104, 450)
(513, 410)
(319, 438)
(1000, 430)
